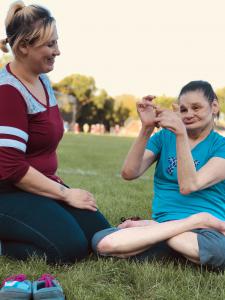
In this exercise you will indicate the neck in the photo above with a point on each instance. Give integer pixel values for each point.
(200, 134)
(24, 73)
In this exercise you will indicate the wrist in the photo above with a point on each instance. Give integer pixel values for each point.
(181, 131)
(146, 132)
(181, 134)
(64, 193)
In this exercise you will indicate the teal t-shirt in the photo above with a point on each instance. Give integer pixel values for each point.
(168, 202)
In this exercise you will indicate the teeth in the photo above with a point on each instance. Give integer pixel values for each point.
(51, 60)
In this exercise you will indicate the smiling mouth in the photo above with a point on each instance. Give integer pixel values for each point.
(51, 60)
(189, 122)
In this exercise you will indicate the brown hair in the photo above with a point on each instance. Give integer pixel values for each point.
(30, 24)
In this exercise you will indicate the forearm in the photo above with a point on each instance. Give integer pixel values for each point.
(133, 163)
(186, 172)
(37, 183)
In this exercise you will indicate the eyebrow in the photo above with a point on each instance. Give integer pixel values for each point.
(195, 103)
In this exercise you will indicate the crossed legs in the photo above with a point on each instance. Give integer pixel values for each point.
(130, 241)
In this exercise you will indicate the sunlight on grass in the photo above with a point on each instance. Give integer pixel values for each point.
(93, 163)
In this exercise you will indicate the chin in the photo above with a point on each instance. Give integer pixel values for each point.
(192, 127)
(48, 69)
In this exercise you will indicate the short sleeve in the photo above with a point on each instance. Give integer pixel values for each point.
(219, 148)
(13, 134)
(155, 142)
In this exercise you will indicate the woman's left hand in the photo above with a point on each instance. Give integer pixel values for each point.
(170, 120)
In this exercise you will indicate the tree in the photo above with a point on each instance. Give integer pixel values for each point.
(164, 101)
(82, 88)
(221, 98)
(93, 105)
(125, 106)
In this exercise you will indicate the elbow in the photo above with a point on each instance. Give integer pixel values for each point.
(184, 191)
(127, 174)
(188, 188)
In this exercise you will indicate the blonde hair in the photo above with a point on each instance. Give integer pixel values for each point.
(30, 24)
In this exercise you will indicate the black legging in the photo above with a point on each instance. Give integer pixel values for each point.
(32, 224)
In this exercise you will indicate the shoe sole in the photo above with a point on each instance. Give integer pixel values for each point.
(14, 295)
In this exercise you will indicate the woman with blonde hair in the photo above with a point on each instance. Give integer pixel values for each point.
(39, 213)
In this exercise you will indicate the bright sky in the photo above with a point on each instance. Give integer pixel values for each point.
(138, 47)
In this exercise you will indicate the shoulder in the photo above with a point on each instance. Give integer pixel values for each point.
(160, 139)
(216, 144)
(217, 139)
(10, 88)
(6, 78)
(11, 97)
(163, 134)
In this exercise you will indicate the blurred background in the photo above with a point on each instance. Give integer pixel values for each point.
(113, 52)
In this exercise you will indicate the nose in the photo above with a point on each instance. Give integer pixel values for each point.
(56, 50)
(189, 114)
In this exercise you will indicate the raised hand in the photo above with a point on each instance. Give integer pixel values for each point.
(170, 119)
(147, 111)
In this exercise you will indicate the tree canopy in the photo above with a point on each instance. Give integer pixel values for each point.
(80, 100)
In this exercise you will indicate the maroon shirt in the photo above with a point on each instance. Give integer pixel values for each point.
(29, 131)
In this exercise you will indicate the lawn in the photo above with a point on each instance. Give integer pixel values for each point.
(93, 163)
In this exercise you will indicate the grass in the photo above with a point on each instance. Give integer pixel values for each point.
(94, 163)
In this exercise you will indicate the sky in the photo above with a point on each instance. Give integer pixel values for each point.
(138, 47)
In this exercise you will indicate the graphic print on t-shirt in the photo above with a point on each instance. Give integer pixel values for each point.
(173, 164)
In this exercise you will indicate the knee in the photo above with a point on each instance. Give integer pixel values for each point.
(103, 242)
(106, 246)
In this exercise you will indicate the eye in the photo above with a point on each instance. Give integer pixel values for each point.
(182, 109)
(52, 44)
(196, 107)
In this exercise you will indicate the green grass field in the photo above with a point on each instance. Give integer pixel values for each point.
(93, 163)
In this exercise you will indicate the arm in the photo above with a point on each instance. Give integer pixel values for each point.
(14, 168)
(37, 183)
(189, 179)
(186, 172)
(138, 158)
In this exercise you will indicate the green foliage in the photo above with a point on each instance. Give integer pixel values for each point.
(80, 86)
(126, 104)
(164, 101)
(93, 105)
(221, 97)
(83, 89)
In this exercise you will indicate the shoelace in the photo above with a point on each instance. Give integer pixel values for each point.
(47, 278)
(18, 277)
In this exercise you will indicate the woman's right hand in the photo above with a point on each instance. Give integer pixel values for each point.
(81, 199)
(146, 111)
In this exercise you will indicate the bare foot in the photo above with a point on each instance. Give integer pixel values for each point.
(206, 220)
(140, 223)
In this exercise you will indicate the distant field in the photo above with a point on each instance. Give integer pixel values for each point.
(94, 163)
